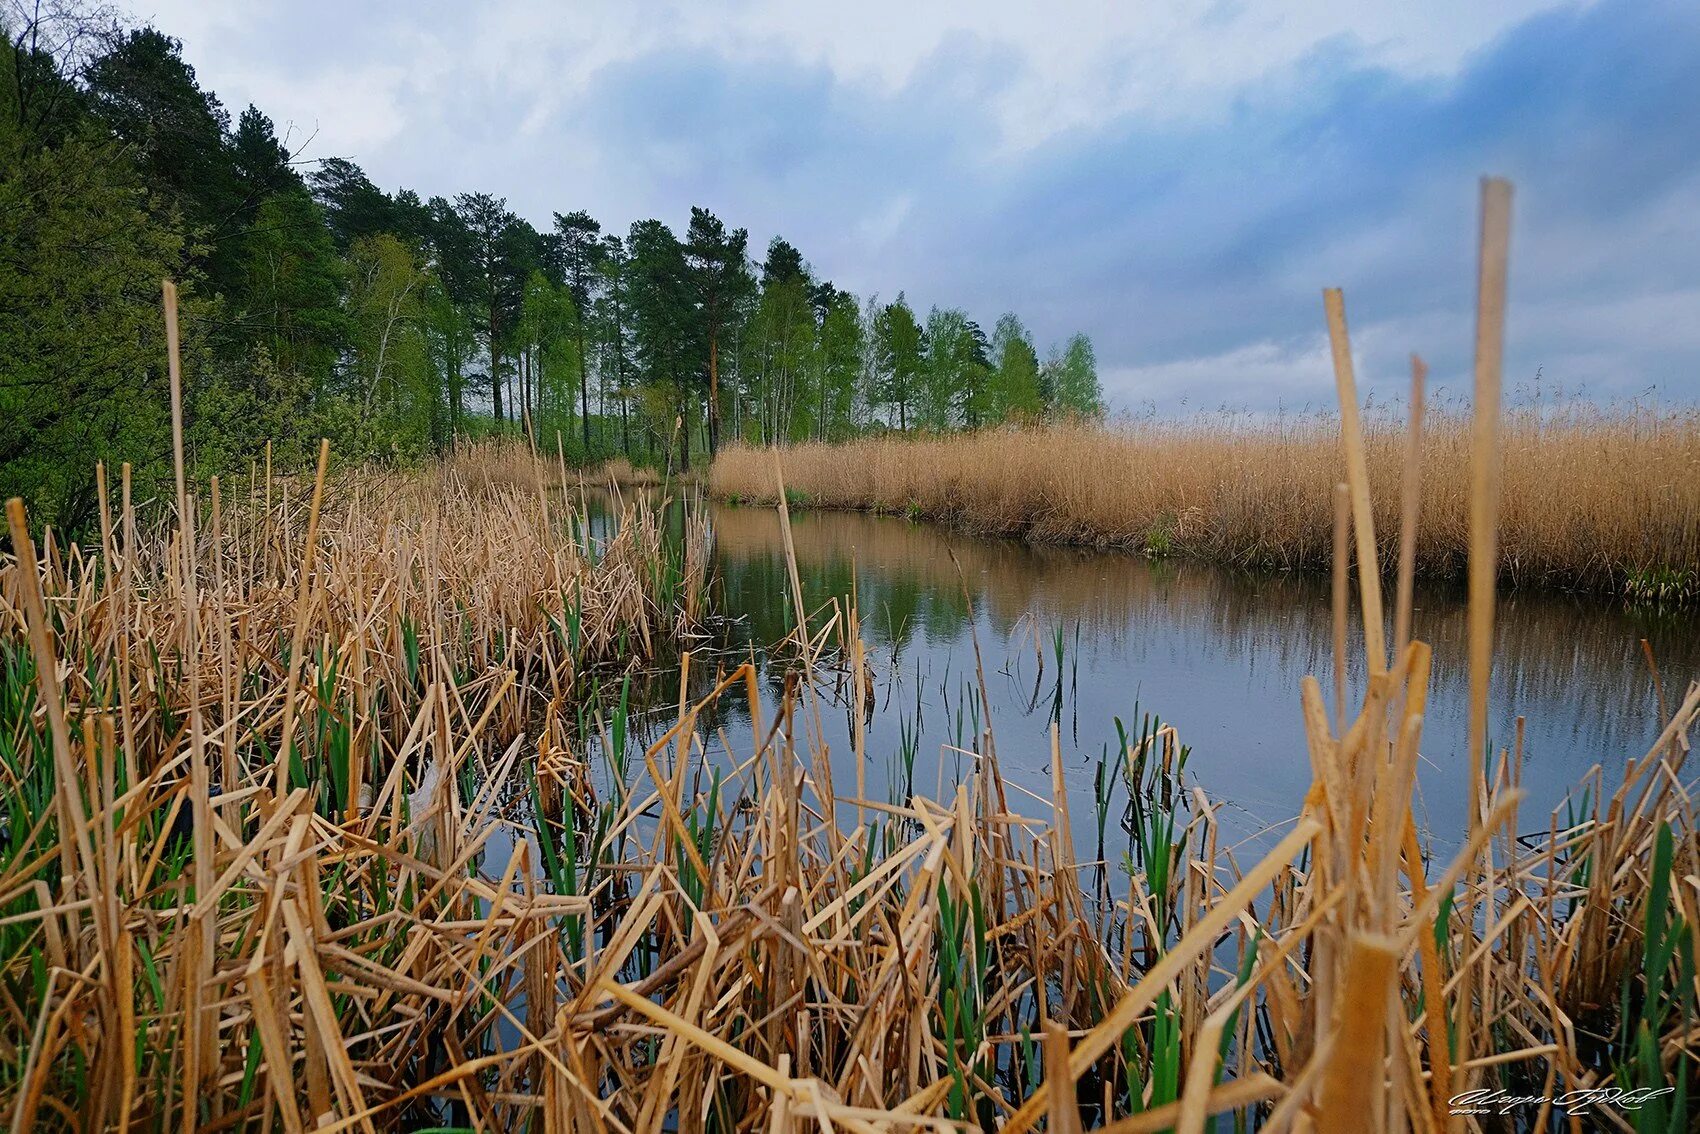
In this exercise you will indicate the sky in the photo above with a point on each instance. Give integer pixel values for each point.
(1178, 181)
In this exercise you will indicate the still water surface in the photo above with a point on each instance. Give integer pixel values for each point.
(1217, 653)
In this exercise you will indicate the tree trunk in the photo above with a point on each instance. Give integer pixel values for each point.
(583, 387)
(455, 407)
(685, 433)
(713, 394)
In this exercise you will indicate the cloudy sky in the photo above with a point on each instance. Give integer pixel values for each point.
(1178, 183)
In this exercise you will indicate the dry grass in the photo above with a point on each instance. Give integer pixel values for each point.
(1605, 500)
(300, 834)
(712, 933)
(182, 900)
(620, 471)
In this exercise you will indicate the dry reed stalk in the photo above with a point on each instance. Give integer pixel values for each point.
(1342, 525)
(1348, 1092)
(1484, 503)
(1410, 505)
(1357, 477)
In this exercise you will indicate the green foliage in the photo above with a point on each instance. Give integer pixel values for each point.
(1015, 377)
(549, 353)
(1661, 584)
(963, 956)
(315, 304)
(1667, 994)
(1160, 537)
(898, 349)
(843, 343)
(1068, 382)
(778, 355)
(390, 375)
(81, 341)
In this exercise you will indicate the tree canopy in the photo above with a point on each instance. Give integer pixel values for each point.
(315, 303)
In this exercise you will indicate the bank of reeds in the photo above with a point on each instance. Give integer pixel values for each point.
(245, 761)
(1595, 499)
(621, 471)
(312, 822)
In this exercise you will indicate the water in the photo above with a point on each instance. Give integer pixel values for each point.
(1217, 653)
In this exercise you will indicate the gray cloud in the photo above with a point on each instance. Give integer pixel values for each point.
(1180, 186)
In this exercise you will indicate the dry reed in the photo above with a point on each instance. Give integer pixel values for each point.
(235, 857)
(437, 903)
(621, 471)
(1594, 499)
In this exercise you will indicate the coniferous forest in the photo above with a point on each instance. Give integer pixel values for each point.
(317, 304)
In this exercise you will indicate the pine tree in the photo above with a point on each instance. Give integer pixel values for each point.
(666, 326)
(498, 272)
(580, 250)
(80, 333)
(718, 262)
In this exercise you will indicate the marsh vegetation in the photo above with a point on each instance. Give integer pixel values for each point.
(434, 792)
(1595, 499)
(408, 801)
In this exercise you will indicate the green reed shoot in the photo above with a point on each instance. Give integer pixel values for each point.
(962, 955)
(908, 748)
(702, 828)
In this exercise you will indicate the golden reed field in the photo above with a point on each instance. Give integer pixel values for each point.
(1595, 499)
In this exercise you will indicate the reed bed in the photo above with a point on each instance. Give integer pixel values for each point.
(1594, 499)
(466, 926)
(244, 762)
(620, 471)
(320, 814)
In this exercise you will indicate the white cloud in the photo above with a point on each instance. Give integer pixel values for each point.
(1064, 66)
(360, 109)
(1080, 64)
(1267, 372)
(1118, 168)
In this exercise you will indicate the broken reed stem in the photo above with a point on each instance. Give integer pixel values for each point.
(1349, 1084)
(1342, 524)
(1410, 506)
(1484, 457)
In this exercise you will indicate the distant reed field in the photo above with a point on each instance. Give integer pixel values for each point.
(1595, 499)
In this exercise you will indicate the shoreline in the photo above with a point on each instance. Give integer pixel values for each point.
(1064, 486)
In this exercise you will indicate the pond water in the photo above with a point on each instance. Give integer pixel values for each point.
(1217, 653)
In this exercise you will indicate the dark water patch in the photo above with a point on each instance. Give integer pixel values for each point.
(1081, 638)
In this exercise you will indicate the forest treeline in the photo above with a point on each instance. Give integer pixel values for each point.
(317, 304)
